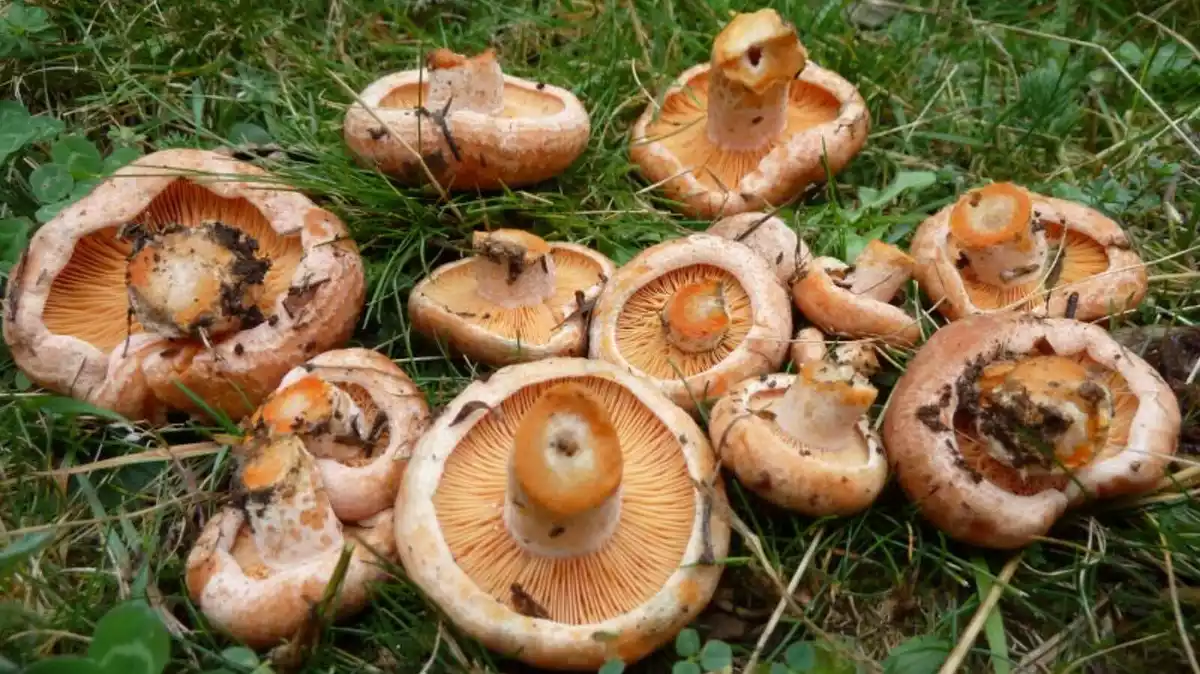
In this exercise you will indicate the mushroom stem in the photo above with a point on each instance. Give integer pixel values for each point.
(823, 401)
(289, 513)
(457, 82)
(1042, 414)
(186, 280)
(513, 268)
(565, 474)
(880, 270)
(696, 317)
(994, 228)
(754, 60)
(330, 422)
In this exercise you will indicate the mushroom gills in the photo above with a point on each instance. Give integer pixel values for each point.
(327, 418)
(822, 411)
(289, 515)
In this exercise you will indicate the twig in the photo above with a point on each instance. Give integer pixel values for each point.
(778, 613)
(965, 643)
(437, 643)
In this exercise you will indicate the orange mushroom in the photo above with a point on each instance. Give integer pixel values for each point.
(770, 237)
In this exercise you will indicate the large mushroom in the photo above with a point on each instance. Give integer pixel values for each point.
(769, 236)
(181, 275)
(695, 315)
(257, 569)
(561, 512)
(1002, 422)
(519, 298)
(471, 126)
(1004, 248)
(804, 441)
(751, 128)
(359, 416)
(854, 300)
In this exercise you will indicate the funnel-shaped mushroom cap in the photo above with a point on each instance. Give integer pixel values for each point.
(695, 315)
(1004, 248)
(518, 299)
(803, 441)
(359, 415)
(767, 235)
(853, 301)
(752, 128)
(231, 286)
(1002, 422)
(553, 513)
(472, 126)
(257, 570)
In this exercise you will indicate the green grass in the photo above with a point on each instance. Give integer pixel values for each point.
(1019, 90)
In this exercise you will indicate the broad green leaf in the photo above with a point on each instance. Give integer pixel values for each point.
(120, 157)
(612, 667)
(44, 127)
(50, 183)
(131, 639)
(779, 668)
(21, 549)
(686, 667)
(69, 407)
(8, 666)
(687, 643)
(64, 664)
(919, 655)
(716, 655)
(46, 213)
(240, 655)
(13, 139)
(12, 112)
(79, 156)
(903, 182)
(14, 234)
(244, 132)
(801, 657)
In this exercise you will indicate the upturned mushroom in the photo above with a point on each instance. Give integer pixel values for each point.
(562, 513)
(804, 441)
(1003, 422)
(180, 274)
(767, 235)
(854, 300)
(359, 415)
(1004, 248)
(257, 569)
(694, 315)
(751, 128)
(466, 124)
(810, 345)
(519, 298)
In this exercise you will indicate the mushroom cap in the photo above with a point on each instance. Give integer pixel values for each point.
(446, 305)
(651, 578)
(397, 416)
(626, 327)
(827, 120)
(771, 238)
(838, 310)
(927, 451)
(261, 607)
(539, 132)
(66, 315)
(809, 479)
(1098, 263)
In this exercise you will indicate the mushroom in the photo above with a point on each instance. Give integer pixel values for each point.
(257, 569)
(695, 315)
(1001, 422)
(169, 281)
(767, 235)
(1002, 247)
(468, 124)
(810, 345)
(803, 441)
(561, 512)
(751, 128)
(853, 300)
(519, 298)
(359, 416)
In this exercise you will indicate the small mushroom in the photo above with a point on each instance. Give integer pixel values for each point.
(695, 315)
(178, 276)
(767, 235)
(853, 300)
(359, 416)
(1004, 248)
(803, 441)
(553, 512)
(809, 345)
(1001, 422)
(258, 569)
(520, 298)
(751, 128)
(471, 126)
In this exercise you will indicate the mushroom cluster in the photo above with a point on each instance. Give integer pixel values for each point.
(180, 282)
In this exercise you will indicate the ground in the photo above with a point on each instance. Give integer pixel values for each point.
(1094, 101)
